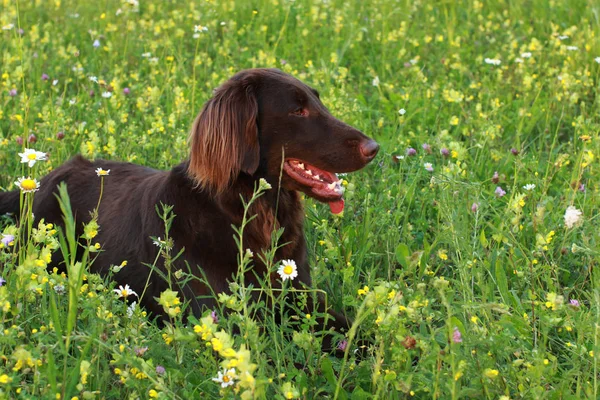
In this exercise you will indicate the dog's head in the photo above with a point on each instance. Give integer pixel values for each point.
(260, 115)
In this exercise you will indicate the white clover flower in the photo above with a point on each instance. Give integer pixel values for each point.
(94, 79)
(492, 61)
(563, 37)
(107, 95)
(226, 377)
(72, 101)
(288, 270)
(147, 55)
(529, 187)
(428, 166)
(8, 27)
(124, 292)
(518, 60)
(30, 157)
(597, 59)
(375, 81)
(572, 48)
(526, 55)
(572, 216)
(402, 111)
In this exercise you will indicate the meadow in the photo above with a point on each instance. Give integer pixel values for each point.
(468, 251)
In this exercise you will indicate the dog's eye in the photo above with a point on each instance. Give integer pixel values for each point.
(300, 112)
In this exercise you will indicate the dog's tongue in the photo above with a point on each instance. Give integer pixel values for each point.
(337, 206)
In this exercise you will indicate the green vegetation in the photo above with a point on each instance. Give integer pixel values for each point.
(458, 260)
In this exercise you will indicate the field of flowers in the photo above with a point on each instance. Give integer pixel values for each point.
(468, 254)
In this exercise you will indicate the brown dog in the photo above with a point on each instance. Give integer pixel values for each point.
(239, 137)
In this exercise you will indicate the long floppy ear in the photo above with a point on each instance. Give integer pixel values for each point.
(224, 138)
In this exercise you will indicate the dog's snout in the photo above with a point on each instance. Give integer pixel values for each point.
(369, 149)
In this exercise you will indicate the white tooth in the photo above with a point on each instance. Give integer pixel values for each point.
(332, 185)
(308, 171)
(301, 165)
(317, 177)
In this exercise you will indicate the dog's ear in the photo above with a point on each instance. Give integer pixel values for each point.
(224, 137)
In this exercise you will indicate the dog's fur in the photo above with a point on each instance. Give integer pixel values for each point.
(238, 137)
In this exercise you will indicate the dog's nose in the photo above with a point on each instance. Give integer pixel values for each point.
(369, 149)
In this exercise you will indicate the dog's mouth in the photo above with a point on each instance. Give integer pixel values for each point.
(320, 184)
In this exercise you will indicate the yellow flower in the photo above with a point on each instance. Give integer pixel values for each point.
(28, 185)
(443, 254)
(491, 373)
(363, 291)
(4, 379)
(153, 393)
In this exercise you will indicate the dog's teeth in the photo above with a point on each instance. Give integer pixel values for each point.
(317, 177)
(309, 172)
(300, 165)
(332, 185)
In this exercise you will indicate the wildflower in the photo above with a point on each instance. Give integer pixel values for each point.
(573, 302)
(7, 240)
(140, 351)
(96, 43)
(581, 188)
(59, 289)
(514, 151)
(8, 27)
(107, 95)
(31, 156)
(94, 79)
(55, 82)
(263, 184)
(125, 291)
(456, 335)
(31, 138)
(597, 59)
(4, 379)
(563, 37)
(28, 185)
(428, 167)
(572, 48)
(160, 370)
(102, 172)
(72, 101)
(411, 152)
(45, 77)
(402, 111)
(492, 61)
(126, 91)
(2, 281)
(495, 177)
(215, 318)
(426, 147)
(12, 92)
(499, 192)
(474, 207)
(170, 302)
(490, 373)
(375, 81)
(444, 152)
(200, 28)
(287, 270)
(131, 309)
(226, 377)
(342, 345)
(363, 291)
(526, 55)
(529, 187)
(572, 217)
(443, 254)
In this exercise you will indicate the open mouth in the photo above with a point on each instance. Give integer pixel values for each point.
(324, 185)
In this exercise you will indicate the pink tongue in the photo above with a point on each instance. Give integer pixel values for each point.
(337, 206)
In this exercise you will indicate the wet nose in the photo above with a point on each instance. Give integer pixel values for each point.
(369, 149)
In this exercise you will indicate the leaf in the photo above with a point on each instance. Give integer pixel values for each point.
(402, 253)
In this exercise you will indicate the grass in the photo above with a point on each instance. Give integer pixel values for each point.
(463, 292)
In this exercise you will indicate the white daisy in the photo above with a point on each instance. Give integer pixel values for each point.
(288, 270)
(31, 156)
(526, 55)
(375, 81)
(529, 187)
(226, 377)
(402, 111)
(102, 172)
(94, 79)
(125, 292)
(28, 185)
(492, 61)
(107, 95)
(200, 28)
(572, 216)
(597, 59)
(572, 48)
(563, 37)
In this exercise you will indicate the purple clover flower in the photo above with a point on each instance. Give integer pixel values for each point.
(411, 152)
(474, 207)
(126, 91)
(499, 192)
(12, 92)
(214, 317)
(574, 302)
(426, 147)
(456, 336)
(444, 152)
(342, 345)
(2, 281)
(160, 370)
(45, 77)
(495, 178)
